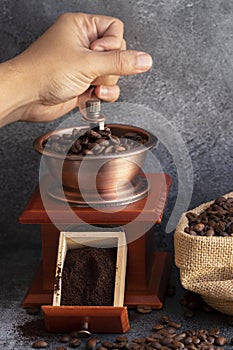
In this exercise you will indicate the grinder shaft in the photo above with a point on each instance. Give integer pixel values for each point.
(93, 113)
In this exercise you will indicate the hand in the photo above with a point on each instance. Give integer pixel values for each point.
(79, 50)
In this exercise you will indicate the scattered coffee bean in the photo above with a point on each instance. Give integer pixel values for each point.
(220, 341)
(61, 348)
(33, 311)
(139, 340)
(74, 343)
(40, 344)
(157, 327)
(91, 343)
(144, 309)
(65, 338)
(164, 319)
(121, 338)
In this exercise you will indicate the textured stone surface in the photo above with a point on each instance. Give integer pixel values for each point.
(190, 84)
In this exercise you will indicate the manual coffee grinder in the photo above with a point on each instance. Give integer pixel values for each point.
(110, 193)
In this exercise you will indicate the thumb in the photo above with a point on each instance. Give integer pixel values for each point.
(120, 62)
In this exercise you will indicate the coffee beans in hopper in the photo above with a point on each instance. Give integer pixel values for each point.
(93, 142)
(217, 220)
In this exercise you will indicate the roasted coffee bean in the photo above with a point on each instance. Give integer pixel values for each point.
(217, 220)
(120, 149)
(144, 309)
(40, 344)
(155, 345)
(101, 348)
(74, 343)
(61, 348)
(107, 344)
(220, 341)
(33, 311)
(66, 338)
(157, 327)
(174, 325)
(164, 319)
(91, 343)
(139, 340)
(198, 227)
(108, 149)
(121, 339)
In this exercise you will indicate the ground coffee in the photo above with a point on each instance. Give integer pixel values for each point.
(88, 277)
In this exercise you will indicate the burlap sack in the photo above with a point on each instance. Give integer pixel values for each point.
(206, 264)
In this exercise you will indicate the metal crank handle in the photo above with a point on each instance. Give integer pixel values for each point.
(90, 108)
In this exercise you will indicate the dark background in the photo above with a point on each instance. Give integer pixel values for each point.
(190, 84)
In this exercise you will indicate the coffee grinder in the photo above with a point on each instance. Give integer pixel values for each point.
(121, 204)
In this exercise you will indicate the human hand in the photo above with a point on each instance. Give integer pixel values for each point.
(79, 50)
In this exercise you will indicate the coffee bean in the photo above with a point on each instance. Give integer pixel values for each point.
(144, 309)
(220, 341)
(107, 344)
(156, 345)
(121, 339)
(174, 325)
(108, 149)
(101, 348)
(139, 340)
(115, 140)
(61, 348)
(91, 343)
(217, 220)
(74, 343)
(120, 149)
(40, 344)
(177, 345)
(198, 227)
(157, 327)
(164, 319)
(66, 338)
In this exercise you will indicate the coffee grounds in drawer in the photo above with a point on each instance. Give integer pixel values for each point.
(88, 277)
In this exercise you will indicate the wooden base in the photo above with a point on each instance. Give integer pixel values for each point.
(100, 319)
(152, 295)
(147, 272)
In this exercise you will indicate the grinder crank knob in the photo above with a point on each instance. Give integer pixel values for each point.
(93, 113)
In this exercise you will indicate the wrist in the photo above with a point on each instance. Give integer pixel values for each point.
(17, 90)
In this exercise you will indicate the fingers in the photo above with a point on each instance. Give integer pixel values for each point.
(107, 93)
(119, 62)
(109, 79)
(110, 34)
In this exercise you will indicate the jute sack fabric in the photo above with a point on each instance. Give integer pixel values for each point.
(206, 264)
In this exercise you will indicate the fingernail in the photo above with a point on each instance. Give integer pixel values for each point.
(143, 61)
(99, 48)
(103, 91)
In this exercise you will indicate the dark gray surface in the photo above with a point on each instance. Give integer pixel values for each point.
(190, 85)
